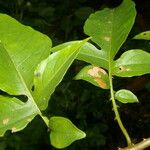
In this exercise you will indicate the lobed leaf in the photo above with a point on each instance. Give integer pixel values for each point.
(109, 28)
(132, 63)
(14, 114)
(88, 53)
(94, 75)
(126, 96)
(25, 47)
(143, 36)
(51, 71)
(63, 132)
(21, 50)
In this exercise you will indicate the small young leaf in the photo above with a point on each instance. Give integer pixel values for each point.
(143, 36)
(95, 75)
(126, 96)
(51, 71)
(63, 132)
(132, 63)
(88, 53)
(109, 28)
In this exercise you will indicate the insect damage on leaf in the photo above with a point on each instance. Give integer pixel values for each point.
(121, 69)
(96, 71)
(108, 39)
(5, 121)
(98, 74)
(13, 130)
(101, 83)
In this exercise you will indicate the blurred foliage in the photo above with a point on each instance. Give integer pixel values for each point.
(87, 106)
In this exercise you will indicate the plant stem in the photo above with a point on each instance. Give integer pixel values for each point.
(115, 109)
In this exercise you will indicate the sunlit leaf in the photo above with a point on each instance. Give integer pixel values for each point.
(126, 96)
(88, 53)
(51, 71)
(21, 50)
(132, 63)
(14, 114)
(63, 132)
(109, 28)
(95, 75)
(25, 47)
(143, 36)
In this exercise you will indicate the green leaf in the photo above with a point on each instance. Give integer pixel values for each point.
(14, 114)
(25, 47)
(63, 132)
(132, 63)
(51, 71)
(126, 96)
(95, 75)
(143, 36)
(88, 53)
(109, 28)
(21, 50)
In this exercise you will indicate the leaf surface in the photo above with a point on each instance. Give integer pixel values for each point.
(51, 71)
(21, 50)
(88, 53)
(14, 114)
(143, 36)
(132, 63)
(63, 132)
(109, 28)
(126, 96)
(25, 47)
(94, 75)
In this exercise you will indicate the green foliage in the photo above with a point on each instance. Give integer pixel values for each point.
(95, 75)
(126, 96)
(109, 28)
(143, 36)
(63, 132)
(88, 53)
(132, 63)
(51, 71)
(28, 69)
(29, 73)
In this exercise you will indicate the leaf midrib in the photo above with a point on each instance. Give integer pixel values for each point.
(27, 91)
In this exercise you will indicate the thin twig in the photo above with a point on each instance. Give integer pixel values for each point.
(139, 146)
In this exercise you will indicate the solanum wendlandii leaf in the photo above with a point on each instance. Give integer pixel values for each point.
(21, 50)
(51, 71)
(95, 75)
(14, 114)
(88, 53)
(63, 132)
(25, 47)
(109, 28)
(143, 36)
(132, 63)
(126, 96)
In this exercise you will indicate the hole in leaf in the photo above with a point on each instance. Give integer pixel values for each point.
(33, 87)
(22, 98)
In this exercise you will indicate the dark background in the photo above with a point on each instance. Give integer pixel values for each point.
(87, 106)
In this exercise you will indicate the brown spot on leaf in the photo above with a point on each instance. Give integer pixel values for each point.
(5, 121)
(101, 83)
(14, 129)
(121, 68)
(96, 71)
(107, 38)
